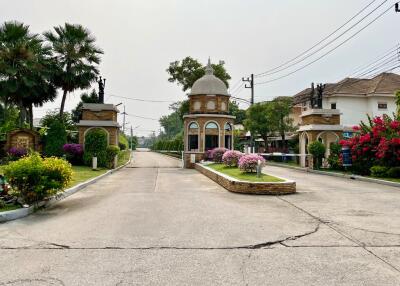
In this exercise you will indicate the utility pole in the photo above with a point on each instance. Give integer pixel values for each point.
(123, 121)
(250, 80)
(131, 137)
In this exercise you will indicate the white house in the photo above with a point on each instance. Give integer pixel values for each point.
(355, 98)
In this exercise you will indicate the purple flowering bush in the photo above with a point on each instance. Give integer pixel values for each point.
(217, 154)
(248, 163)
(231, 158)
(16, 153)
(74, 153)
(208, 155)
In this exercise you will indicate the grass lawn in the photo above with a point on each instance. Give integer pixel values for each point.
(9, 208)
(84, 173)
(237, 174)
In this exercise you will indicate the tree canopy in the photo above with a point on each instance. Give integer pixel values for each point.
(77, 58)
(188, 70)
(258, 119)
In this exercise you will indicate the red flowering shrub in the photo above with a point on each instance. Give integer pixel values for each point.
(376, 144)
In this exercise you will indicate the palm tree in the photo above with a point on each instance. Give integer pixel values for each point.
(26, 69)
(77, 57)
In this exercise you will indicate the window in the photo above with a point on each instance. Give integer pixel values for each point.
(228, 127)
(197, 105)
(333, 105)
(211, 105)
(382, 106)
(193, 143)
(212, 125)
(193, 125)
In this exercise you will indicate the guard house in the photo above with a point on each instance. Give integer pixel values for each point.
(208, 124)
(102, 116)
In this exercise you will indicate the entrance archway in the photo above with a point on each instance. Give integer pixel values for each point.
(327, 138)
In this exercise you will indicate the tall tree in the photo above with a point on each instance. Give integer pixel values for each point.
(187, 71)
(173, 123)
(77, 57)
(280, 120)
(26, 70)
(258, 120)
(234, 110)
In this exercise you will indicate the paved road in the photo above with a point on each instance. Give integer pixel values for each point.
(153, 223)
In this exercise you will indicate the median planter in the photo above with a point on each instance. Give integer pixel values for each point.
(282, 187)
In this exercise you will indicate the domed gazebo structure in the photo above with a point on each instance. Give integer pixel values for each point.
(208, 124)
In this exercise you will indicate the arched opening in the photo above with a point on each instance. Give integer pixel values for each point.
(93, 128)
(228, 136)
(193, 137)
(211, 135)
(328, 138)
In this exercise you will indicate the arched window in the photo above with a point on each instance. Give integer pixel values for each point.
(228, 127)
(193, 125)
(211, 125)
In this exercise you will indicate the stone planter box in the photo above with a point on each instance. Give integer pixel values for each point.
(245, 187)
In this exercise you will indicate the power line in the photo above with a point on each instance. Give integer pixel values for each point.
(284, 67)
(328, 52)
(379, 66)
(139, 99)
(142, 117)
(382, 56)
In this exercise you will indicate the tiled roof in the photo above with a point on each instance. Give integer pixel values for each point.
(384, 83)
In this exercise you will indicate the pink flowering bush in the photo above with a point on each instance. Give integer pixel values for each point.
(208, 155)
(217, 154)
(375, 144)
(231, 158)
(248, 163)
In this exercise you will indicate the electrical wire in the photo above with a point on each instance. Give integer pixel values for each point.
(317, 44)
(329, 51)
(143, 100)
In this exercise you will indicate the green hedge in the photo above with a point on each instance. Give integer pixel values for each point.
(55, 139)
(34, 178)
(95, 146)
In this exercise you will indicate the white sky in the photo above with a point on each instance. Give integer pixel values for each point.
(141, 38)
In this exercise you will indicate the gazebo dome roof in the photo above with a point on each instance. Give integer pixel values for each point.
(209, 84)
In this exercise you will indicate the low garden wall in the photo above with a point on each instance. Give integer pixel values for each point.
(258, 188)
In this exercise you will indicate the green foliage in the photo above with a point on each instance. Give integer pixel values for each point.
(123, 157)
(258, 119)
(187, 71)
(52, 116)
(34, 178)
(317, 150)
(394, 172)
(95, 146)
(175, 144)
(8, 118)
(280, 120)
(55, 139)
(379, 171)
(173, 123)
(234, 110)
(398, 103)
(334, 156)
(77, 58)
(111, 152)
(123, 142)
(26, 69)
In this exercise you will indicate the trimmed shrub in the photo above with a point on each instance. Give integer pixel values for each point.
(34, 178)
(231, 158)
(55, 139)
(394, 172)
(317, 150)
(334, 156)
(95, 146)
(73, 153)
(16, 153)
(379, 171)
(123, 143)
(249, 163)
(217, 154)
(112, 151)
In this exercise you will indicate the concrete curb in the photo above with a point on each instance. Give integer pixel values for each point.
(338, 175)
(23, 212)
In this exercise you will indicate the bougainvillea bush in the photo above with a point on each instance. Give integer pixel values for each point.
(377, 143)
(248, 163)
(231, 158)
(16, 152)
(74, 153)
(217, 154)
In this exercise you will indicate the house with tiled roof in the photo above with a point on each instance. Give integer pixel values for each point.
(356, 98)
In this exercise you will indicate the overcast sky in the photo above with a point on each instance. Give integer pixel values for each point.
(141, 38)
